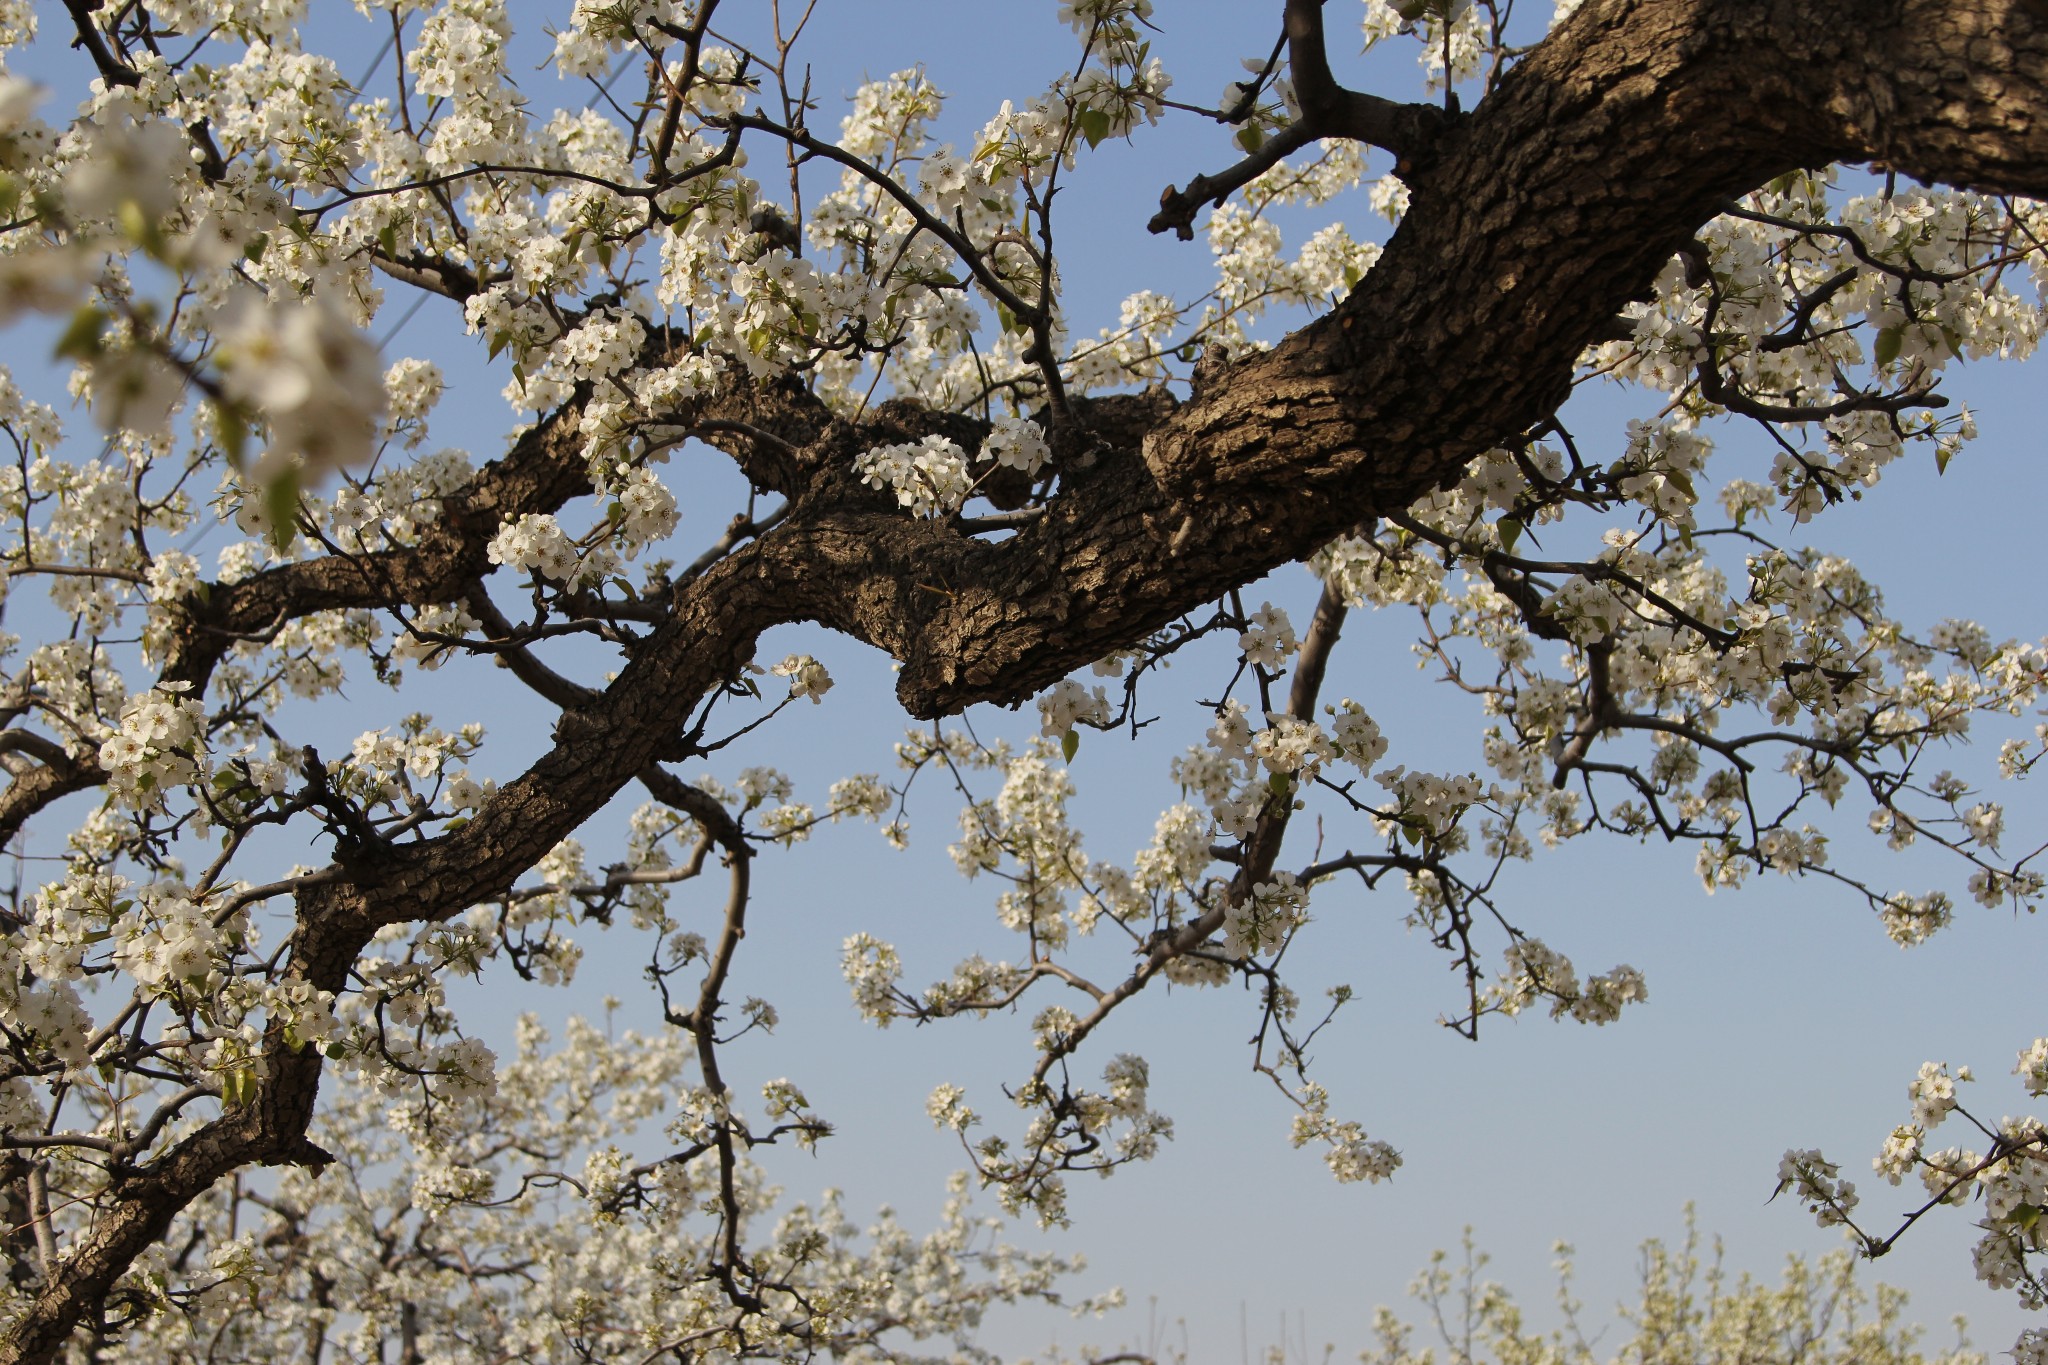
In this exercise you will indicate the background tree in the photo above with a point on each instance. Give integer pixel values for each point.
(935, 461)
(1687, 1309)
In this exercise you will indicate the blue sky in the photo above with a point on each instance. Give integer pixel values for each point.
(1778, 1017)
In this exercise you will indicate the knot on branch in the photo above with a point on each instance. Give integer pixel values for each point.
(303, 1151)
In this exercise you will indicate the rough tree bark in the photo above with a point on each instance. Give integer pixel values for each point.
(1533, 219)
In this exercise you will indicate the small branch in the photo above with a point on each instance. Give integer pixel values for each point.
(525, 666)
(1328, 110)
(111, 68)
(1001, 521)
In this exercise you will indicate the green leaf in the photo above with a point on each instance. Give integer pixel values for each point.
(1888, 341)
(1070, 744)
(387, 239)
(1278, 783)
(604, 254)
(237, 1087)
(81, 339)
(1250, 137)
(281, 506)
(139, 227)
(1942, 455)
(1094, 125)
(230, 432)
(260, 243)
(1510, 529)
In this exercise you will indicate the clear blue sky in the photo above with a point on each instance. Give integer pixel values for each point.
(1778, 1017)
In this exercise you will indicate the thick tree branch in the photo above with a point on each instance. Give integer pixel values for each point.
(1544, 212)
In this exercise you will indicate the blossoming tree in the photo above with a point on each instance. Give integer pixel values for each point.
(237, 1115)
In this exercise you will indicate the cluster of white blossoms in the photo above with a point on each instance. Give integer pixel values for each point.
(1069, 704)
(646, 509)
(1817, 1183)
(1352, 1154)
(807, 677)
(1264, 920)
(161, 744)
(1015, 443)
(933, 476)
(929, 476)
(1536, 971)
(535, 543)
(170, 946)
(311, 373)
(1268, 638)
(420, 641)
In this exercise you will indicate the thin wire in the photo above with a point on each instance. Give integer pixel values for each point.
(390, 41)
(378, 61)
(398, 326)
(604, 87)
